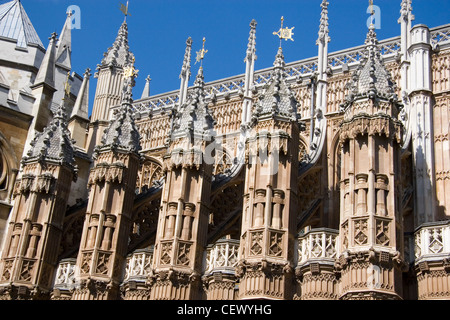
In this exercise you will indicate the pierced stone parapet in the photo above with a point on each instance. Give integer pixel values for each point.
(432, 260)
(65, 280)
(315, 272)
(432, 241)
(138, 265)
(65, 275)
(135, 285)
(219, 275)
(318, 244)
(222, 257)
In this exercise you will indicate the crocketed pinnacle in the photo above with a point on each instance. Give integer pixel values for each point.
(277, 99)
(323, 29)
(371, 79)
(119, 54)
(251, 47)
(54, 143)
(194, 115)
(186, 68)
(406, 11)
(122, 133)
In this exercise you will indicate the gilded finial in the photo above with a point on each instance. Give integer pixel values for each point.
(67, 86)
(130, 71)
(284, 33)
(201, 54)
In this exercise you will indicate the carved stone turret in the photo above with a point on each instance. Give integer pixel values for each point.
(112, 182)
(371, 229)
(183, 222)
(110, 77)
(268, 229)
(30, 254)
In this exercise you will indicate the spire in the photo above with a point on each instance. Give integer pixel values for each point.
(372, 78)
(250, 59)
(146, 92)
(185, 71)
(46, 72)
(194, 116)
(54, 143)
(323, 29)
(251, 48)
(279, 63)
(406, 11)
(122, 133)
(405, 20)
(323, 41)
(64, 44)
(81, 107)
(119, 54)
(277, 98)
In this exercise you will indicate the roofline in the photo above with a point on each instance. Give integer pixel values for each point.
(391, 45)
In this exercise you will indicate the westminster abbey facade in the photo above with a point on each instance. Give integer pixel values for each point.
(326, 178)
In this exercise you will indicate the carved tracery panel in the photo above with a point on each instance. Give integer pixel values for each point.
(145, 223)
(150, 173)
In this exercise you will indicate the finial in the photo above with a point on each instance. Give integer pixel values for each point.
(124, 10)
(201, 54)
(129, 76)
(406, 11)
(185, 69)
(251, 47)
(87, 73)
(148, 79)
(53, 37)
(285, 33)
(323, 29)
(67, 86)
(130, 71)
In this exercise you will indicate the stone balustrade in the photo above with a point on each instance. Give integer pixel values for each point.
(432, 241)
(66, 275)
(139, 265)
(222, 256)
(318, 244)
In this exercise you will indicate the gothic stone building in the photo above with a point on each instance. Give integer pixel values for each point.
(325, 178)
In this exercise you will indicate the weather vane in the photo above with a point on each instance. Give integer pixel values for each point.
(124, 9)
(285, 33)
(372, 11)
(201, 54)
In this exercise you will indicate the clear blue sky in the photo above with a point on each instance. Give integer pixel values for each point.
(158, 30)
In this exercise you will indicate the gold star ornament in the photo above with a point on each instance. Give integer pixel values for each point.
(130, 71)
(201, 54)
(285, 33)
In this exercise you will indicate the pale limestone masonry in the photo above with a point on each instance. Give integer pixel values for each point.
(321, 179)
